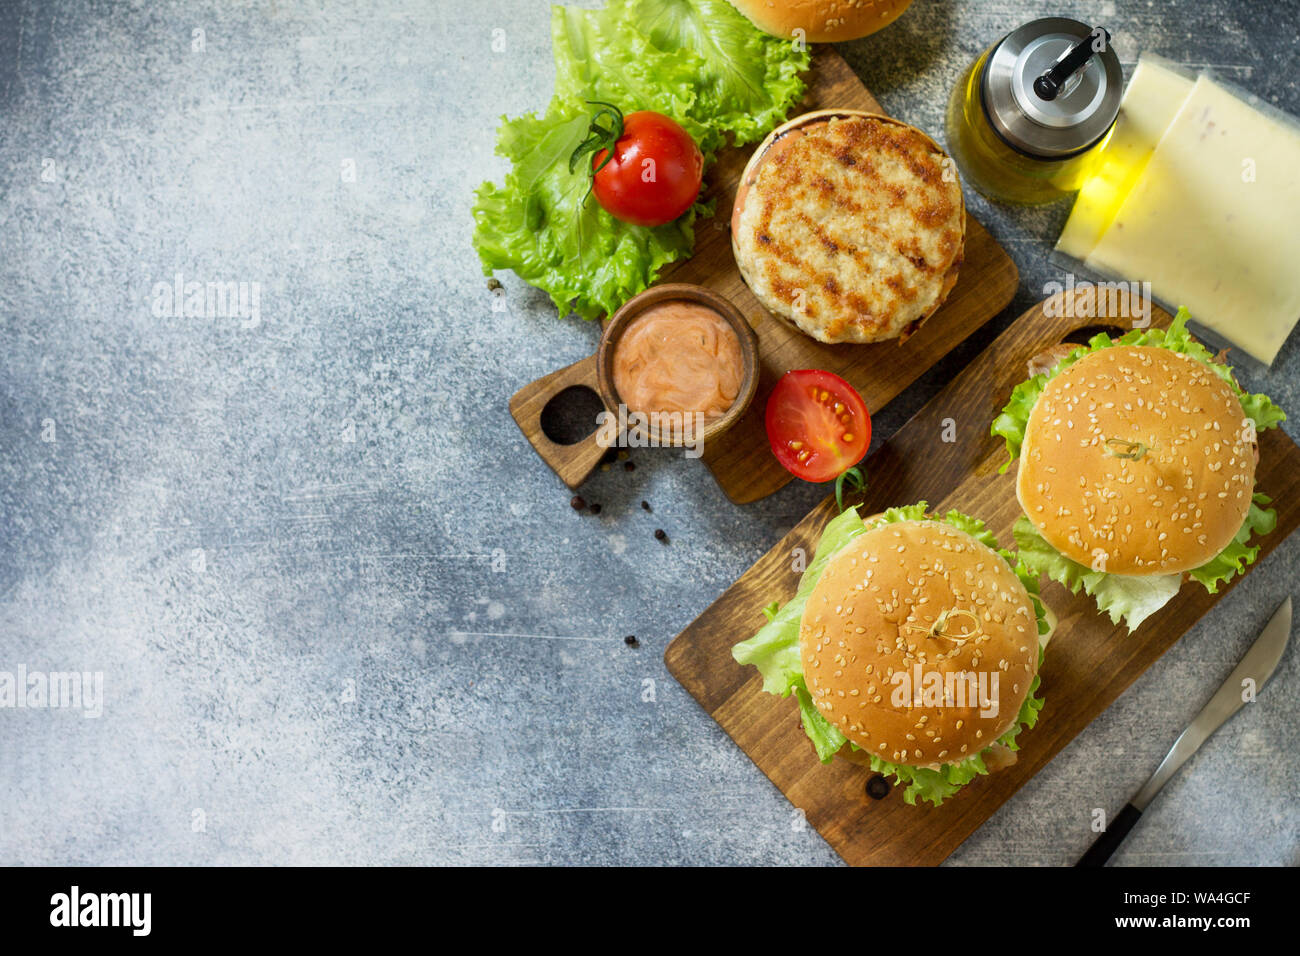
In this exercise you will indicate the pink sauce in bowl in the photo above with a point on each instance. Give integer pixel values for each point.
(678, 356)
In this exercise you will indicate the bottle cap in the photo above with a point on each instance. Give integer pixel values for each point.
(1052, 87)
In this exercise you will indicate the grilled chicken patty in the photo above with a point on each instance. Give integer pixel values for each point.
(851, 227)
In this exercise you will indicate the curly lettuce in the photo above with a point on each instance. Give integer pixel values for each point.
(1124, 597)
(751, 80)
(1232, 560)
(698, 61)
(774, 650)
(1131, 599)
(540, 224)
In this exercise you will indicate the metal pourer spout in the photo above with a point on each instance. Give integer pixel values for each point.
(1048, 86)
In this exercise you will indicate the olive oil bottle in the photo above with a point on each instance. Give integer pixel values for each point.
(1027, 116)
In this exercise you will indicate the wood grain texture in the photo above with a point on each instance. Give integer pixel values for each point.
(1089, 661)
(740, 459)
(573, 463)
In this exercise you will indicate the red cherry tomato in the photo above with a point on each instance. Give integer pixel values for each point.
(817, 424)
(654, 174)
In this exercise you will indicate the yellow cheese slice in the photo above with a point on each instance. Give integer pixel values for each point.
(1151, 101)
(1211, 220)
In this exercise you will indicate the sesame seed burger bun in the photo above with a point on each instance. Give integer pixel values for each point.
(822, 21)
(1169, 510)
(917, 592)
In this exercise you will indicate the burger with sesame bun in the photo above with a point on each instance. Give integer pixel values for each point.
(822, 21)
(912, 645)
(1137, 469)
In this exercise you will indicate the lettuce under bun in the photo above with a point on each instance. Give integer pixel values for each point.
(883, 596)
(1137, 466)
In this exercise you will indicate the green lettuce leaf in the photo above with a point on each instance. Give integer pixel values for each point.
(928, 784)
(702, 63)
(599, 56)
(752, 79)
(1233, 559)
(1259, 408)
(774, 650)
(1011, 423)
(826, 737)
(541, 224)
(1127, 599)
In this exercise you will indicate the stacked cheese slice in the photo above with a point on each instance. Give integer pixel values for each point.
(1198, 192)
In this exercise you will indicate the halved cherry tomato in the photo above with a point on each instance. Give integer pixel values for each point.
(817, 424)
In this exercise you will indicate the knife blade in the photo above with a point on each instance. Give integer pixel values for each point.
(1257, 665)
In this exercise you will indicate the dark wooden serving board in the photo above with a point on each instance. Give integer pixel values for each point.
(1089, 661)
(740, 459)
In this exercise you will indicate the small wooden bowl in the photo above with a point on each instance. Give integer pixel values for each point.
(672, 292)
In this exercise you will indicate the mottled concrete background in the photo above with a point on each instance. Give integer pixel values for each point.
(343, 612)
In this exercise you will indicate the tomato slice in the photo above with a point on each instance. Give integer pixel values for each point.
(817, 424)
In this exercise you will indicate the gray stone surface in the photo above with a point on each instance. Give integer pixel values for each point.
(309, 655)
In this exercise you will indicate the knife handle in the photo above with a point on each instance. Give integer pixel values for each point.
(1111, 838)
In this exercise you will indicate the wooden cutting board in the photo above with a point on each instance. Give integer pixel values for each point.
(1089, 661)
(740, 460)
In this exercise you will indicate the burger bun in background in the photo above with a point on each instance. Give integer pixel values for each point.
(821, 21)
(1167, 508)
